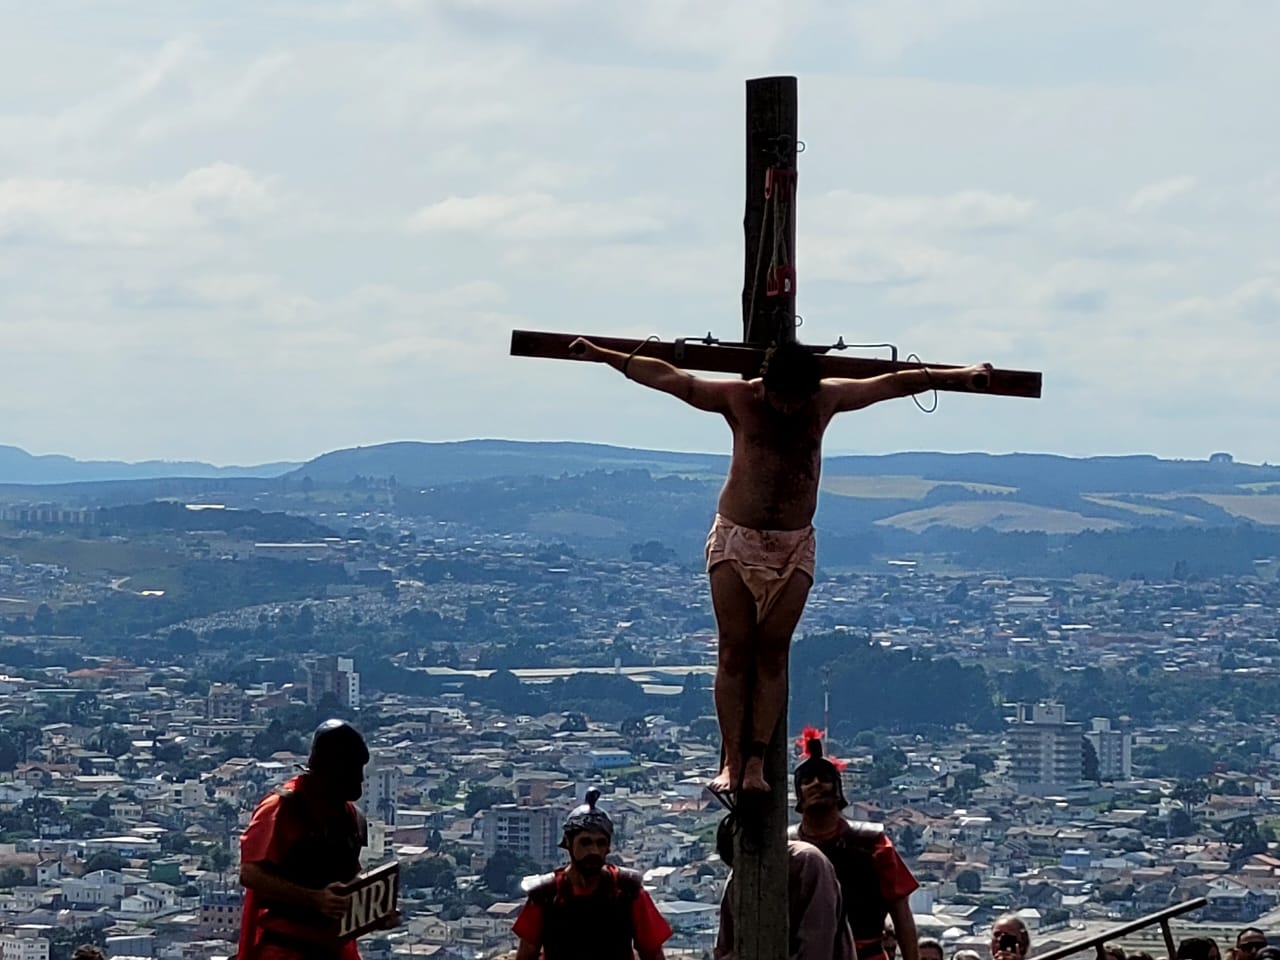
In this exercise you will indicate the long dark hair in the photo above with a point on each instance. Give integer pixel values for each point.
(790, 370)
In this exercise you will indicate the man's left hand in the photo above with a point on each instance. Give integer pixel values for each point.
(976, 377)
(391, 921)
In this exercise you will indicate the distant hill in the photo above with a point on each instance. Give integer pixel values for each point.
(429, 464)
(19, 467)
(437, 463)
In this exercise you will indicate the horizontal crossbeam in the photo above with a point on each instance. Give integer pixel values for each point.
(745, 360)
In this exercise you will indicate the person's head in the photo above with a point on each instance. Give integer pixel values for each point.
(1266, 953)
(966, 955)
(818, 784)
(791, 376)
(889, 939)
(1198, 948)
(1113, 951)
(337, 760)
(1010, 938)
(1249, 941)
(87, 951)
(588, 836)
(929, 949)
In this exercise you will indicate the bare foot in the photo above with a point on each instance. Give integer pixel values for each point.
(753, 780)
(725, 782)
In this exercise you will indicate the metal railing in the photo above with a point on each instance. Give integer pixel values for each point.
(1160, 917)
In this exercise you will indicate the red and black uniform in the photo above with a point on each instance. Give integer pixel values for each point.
(871, 875)
(601, 925)
(302, 837)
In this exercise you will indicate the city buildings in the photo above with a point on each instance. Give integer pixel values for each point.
(1047, 751)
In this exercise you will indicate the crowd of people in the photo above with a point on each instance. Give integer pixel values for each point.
(848, 889)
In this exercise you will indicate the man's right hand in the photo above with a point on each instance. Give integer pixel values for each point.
(333, 901)
(584, 349)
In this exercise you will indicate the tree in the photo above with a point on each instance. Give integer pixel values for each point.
(104, 860)
(9, 755)
(652, 551)
(42, 622)
(982, 761)
(435, 872)
(633, 728)
(112, 741)
(82, 709)
(229, 817)
(963, 784)
(574, 723)
(969, 881)
(305, 624)
(1244, 834)
(182, 641)
(483, 797)
(1180, 823)
(218, 860)
(634, 780)
(1190, 793)
(168, 753)
(1089, 760)
(504, 868)
(908, 841)
(101, 807)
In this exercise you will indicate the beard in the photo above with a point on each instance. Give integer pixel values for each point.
(590, 865)
(821, 796)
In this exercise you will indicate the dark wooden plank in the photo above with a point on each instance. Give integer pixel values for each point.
(769, 226)
(760, 912)
(745, 360)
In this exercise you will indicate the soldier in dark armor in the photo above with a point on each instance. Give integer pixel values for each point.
(300, 850)
(874, 882)
(589, 910)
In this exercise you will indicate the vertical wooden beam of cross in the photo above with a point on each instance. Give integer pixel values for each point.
(760, 915)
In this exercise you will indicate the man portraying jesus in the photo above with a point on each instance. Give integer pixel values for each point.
(760, 552)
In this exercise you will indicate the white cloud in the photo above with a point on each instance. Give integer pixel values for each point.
(538, 216)
(885, 29)
(80, 212)
(1159, 194)
(964, 210)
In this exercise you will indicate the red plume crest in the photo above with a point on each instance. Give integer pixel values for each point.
(813, 733)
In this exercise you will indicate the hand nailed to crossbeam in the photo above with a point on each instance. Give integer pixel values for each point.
(746, 361)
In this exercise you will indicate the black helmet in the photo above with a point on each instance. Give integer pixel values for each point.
(816, 766)
(586, 817)
(337, 743)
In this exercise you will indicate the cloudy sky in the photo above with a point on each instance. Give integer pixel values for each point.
(242, 231)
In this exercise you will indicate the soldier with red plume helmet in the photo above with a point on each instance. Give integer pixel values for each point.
(874, 882)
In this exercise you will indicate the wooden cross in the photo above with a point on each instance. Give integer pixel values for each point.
(768, 316)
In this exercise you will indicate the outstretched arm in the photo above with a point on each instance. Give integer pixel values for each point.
(712, 395)
(854, 394)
